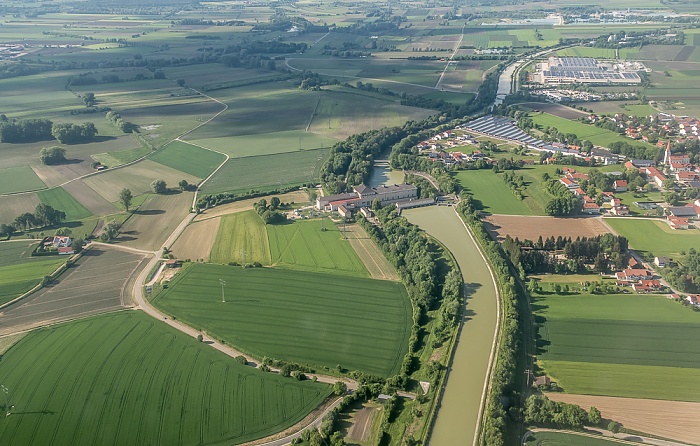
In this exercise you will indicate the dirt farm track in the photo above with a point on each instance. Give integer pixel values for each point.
(532, 227)
(675, 420)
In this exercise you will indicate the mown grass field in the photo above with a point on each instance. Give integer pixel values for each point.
(655, 237)
(13, 205)
(18, 278)
(596, 135)
(19, 179)
(303, 245)
(619, 345)
(119, 157)
(311, 318)
(96, 382)
(190, 159)
(59, 199)
(267, 172)
(493, 193)
(244, 231)
(16, 251)
(562, 439)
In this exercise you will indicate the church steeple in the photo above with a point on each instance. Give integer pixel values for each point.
(667, 154)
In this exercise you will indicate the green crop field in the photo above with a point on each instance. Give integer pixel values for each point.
(61, 200)
(16, 251)
(189, 159)
(96, 382)
(655, 237)
(562, 439)
(318, 319)
(303, 245)
(596, 135)
(119, 157)
(19, 179)
(244, 231)
(619, 345)
(494, 194)
(267, 172)
(23, 275)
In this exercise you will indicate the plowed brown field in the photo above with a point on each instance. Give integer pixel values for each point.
(528, 227)
(675, 420)
(197, 240)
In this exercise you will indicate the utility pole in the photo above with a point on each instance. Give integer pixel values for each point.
(244, 253)
(223, 284)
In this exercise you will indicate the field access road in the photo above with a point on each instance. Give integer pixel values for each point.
(622, 438)
(467, 383)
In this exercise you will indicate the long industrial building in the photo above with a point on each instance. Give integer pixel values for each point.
(581, 70)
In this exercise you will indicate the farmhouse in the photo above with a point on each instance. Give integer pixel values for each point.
(62, 242)
(621, 209)
(646, 286)
(591, 208)
(363, 196)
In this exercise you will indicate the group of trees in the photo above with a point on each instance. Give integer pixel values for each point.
(116, 119)
(685, 274)
(159, 186)
(542, 411)
(74, 133)
(44, 215)
(24, 130)
(602, 252)
(52, 155)
(564, 202)
(268, 212)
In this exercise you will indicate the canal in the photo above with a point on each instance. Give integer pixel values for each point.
(458, 414)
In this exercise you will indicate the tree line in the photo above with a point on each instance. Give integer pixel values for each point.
(32, 130)
(44, 215)
(685, 273)
(564, 202)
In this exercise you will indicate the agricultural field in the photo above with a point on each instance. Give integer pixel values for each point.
(150, 225)
(267, 172)
(618, 345)
(61, 200)
(596, 135)
(666, 419)
(369, 253)
(89, 199)
(84, 289)
(190, 159)
(196, 241)
(137, 177)
(119, 157)
(19, 272)
(655, 237)
(306, 246)
(13, 205)
(532, 227)
(493, 194)
(560, 438)
(311, 318)
(19, 179)
(53, 374)
(239, 233)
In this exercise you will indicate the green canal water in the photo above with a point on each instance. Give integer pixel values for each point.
(458, 413)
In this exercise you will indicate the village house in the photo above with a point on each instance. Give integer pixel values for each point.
(591, 208)
(694, 299)
(662, 262)
(656, 176)
(678, 222)
(620, 185)
(634, 275)
(647, 286)
(570, 184)
(620, 210)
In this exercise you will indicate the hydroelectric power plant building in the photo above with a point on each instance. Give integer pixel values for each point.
(582, 70)
(363, 196)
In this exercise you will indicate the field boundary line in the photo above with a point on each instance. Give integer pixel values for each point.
(495, 345)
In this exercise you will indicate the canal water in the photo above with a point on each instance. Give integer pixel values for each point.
(457, 416)
(382, 175)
